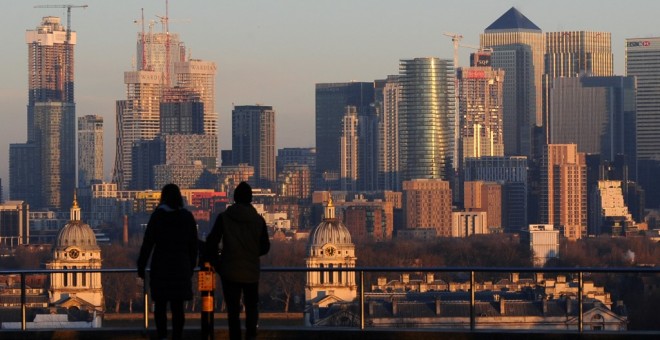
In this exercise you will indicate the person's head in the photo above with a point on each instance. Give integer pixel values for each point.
(171, 195)
(243, 193)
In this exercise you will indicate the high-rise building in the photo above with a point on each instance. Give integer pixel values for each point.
(55, 136)
(387, 97)
(199, 76)
(427, 205)
(90, 150)
(253, 141)
(563, 200)
(643, 62)
(331, 101)
(609, 211)
(300, 156)
(349, 145)
(138, 118)
(480, 108)
(426, 118)
(596, 113)
(511, 173)
(50, 66)
(572, 54)
(181, 112)
(160, 52)
(518, 48)
(487, 197)
(49, 153)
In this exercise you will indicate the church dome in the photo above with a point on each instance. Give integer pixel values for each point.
(330, 230)
(76, 233)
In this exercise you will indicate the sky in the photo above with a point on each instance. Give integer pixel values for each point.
(272, 52)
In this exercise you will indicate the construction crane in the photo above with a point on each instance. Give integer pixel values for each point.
(68, 16)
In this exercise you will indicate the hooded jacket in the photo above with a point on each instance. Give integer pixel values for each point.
(244, 238)
(171, 241)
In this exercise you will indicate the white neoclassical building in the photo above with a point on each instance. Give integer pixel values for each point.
(330, 246)
(76, 248)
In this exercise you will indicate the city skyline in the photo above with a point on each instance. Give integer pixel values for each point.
(277, 60)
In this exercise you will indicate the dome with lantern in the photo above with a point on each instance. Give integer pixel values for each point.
(76, 232)
(330, 230)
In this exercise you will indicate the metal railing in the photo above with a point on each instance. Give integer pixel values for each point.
(360, 272)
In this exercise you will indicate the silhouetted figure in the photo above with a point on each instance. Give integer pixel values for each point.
(244, 238)
(172, 236)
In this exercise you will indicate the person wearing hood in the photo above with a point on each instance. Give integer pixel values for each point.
(244, 237)
(171, 241)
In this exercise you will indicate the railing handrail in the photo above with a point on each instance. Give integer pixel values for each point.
(360, 270)
(616, 270)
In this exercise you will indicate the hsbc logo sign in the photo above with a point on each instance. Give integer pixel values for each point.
(643, 43)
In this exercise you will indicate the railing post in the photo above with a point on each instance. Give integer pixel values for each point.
(580, 321)
(145, 291)
(23, 303)
(472, 302)
(361, 300)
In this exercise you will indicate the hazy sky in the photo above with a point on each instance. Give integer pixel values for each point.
(272, 52)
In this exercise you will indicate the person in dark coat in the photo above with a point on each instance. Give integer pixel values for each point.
(244, 237)
(171, 241)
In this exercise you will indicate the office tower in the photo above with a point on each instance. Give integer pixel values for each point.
(387, 97)
(543, 240)
(49, 153)
(426, 118)
(14, 224)
(571, 54)
(427, 205)
(563, 200)
(511, 172)
(348, 152)
(331, 101)
(253, 141)
(90, 150)
(518, 48)
(480, 108)
(138, 118)
(230, 175)
(199, 76)
(25, 173)
(486, 197)
(55, 136)
(609, 211)
(643, 62)
(299, 156)
(596, 113)
(181, 112)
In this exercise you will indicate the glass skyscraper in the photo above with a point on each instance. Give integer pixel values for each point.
(426, 118)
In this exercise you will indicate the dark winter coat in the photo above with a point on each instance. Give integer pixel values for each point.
(244, 239)
(172, 236)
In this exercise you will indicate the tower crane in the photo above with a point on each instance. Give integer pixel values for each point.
(68, 16)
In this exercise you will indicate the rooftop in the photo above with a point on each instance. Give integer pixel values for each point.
(512, 20)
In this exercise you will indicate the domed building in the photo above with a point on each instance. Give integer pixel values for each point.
(76, 248)
(330, 246)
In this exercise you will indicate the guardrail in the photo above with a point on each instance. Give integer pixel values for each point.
(360, 271)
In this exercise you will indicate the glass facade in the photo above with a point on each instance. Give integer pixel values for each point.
(426, 118)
